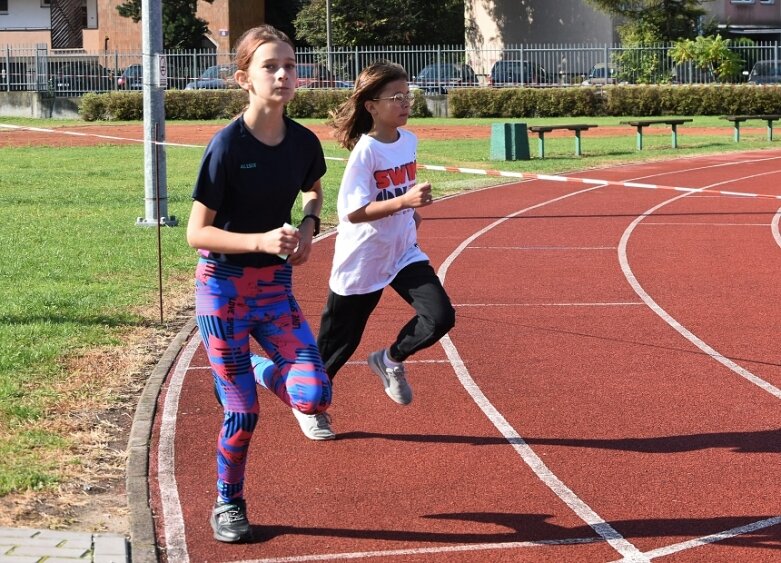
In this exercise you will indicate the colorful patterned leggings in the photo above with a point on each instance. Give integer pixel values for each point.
(231, 304)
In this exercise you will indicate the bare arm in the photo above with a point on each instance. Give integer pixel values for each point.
(312, 203)
(418, 195)
(201, 233)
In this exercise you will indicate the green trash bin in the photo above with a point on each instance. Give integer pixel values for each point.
(509, 141)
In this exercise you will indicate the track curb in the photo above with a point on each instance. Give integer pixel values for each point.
(142, 530)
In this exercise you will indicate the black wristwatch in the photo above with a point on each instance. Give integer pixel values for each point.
(316, 219)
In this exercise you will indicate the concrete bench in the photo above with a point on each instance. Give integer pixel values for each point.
(736, 120)
(542, 129)
(639, 124)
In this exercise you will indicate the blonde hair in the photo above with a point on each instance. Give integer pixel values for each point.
(352, 119)
(253, 38)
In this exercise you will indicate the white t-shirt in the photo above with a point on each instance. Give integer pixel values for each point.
(368, 255)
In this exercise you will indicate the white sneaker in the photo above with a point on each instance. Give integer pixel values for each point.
(315, 426)
(393, 379)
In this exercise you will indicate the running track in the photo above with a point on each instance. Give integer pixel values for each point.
(611, 391)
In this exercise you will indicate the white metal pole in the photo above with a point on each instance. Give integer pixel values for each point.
(328, 33)
(155, 192)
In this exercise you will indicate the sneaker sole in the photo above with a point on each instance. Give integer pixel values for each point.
(384, 379)
(226, 539)
(325, 438)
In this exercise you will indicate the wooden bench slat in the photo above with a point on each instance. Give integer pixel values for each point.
(576, 127)
(640, 123)
(736, 120)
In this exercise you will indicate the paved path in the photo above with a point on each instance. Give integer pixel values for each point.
(27, 545)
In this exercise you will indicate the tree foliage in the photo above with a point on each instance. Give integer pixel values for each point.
(386, 22)
(670, 19)
(713, 53)
(281, 13)
(182, 29)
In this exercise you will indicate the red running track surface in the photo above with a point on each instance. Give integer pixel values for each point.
(610, 391)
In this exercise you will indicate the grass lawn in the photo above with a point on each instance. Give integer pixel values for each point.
(79, 280)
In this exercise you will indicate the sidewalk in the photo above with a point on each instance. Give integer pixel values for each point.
(27, 545)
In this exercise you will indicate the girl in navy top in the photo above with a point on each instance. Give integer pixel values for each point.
(250, 177)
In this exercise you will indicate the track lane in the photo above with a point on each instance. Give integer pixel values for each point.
(428, 518)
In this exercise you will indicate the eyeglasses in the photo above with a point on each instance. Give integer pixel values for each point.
(409, 97)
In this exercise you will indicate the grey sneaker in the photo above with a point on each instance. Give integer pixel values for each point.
(315, 426)
(393, 379)
(229, 521)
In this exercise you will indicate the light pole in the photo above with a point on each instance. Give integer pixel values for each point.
(328, 33)
(155, 192)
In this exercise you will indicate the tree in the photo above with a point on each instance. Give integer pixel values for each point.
(712, 53)
(182, 29)
(382, 22)
(281, 13)
(671, 19)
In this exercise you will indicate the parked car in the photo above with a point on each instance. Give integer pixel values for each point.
(687, 73)
(517, 73)
(438, 78)
(132, 78)
(312, 75)
(80, 77)
(599, 75)
(214, 78)
(765, 72)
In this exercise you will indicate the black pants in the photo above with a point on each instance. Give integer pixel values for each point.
(344, 317)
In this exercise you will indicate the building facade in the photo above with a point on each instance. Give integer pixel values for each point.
(759, 20)
(95, 25)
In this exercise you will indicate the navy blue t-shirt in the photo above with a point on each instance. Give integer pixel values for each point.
(253, 186)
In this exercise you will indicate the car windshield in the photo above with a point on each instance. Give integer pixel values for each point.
(443, 72)
(217, 72)
(508, 71)
(766, 68)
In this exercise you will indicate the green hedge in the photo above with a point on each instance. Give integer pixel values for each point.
(215, 104)
(713, 99)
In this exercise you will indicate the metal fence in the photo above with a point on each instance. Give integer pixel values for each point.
(434, 68)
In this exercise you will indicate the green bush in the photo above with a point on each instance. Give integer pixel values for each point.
(216, 104)
(618, 100)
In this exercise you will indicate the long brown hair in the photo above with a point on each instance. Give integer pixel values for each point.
(253, 38)
(352, 119)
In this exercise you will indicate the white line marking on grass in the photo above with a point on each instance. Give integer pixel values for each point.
(176, 544)
(424, 550)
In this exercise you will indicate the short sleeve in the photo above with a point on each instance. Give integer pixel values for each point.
(212, 181)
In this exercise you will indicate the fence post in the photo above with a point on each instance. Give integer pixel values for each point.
(7, 68)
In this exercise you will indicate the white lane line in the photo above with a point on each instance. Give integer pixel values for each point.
(542, 247)
(656, 308)
(685, 224)
(423, 550)
(625, 548)
(175, 536)
(713, 538)
(608, 304)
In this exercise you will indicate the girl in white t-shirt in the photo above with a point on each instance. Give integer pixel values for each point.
(376, 242)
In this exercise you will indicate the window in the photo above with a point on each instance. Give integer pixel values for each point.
(3, 6)
(742, 1)
(767, 1)
(46, 3)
